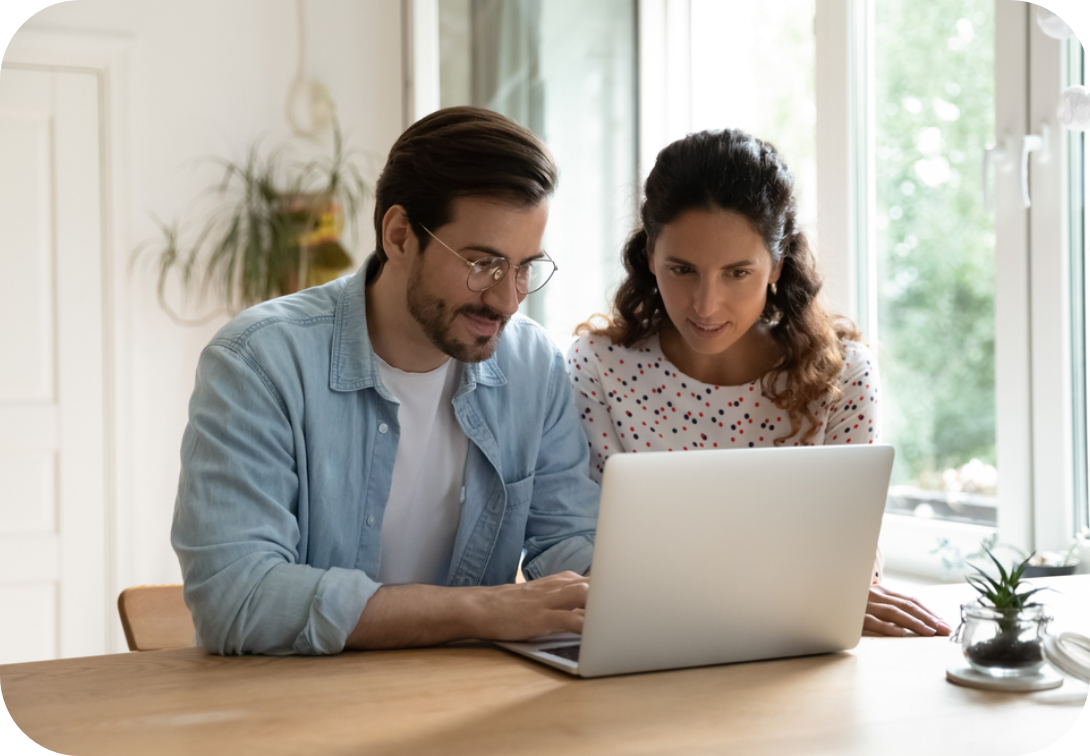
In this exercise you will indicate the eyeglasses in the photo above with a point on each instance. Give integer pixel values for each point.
(489, 271)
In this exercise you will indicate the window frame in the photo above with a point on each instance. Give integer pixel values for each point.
(1034, 374)
(1075, 68)
(1035, 338)
(1051, 299)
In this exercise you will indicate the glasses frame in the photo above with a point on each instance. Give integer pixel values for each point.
(504, 261)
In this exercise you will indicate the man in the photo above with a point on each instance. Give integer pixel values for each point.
(366, 461)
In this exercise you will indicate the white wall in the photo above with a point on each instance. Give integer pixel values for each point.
(205, 77)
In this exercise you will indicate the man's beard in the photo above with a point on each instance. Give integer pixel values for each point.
(436, 319)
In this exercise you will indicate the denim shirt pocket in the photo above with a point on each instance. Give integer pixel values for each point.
(509, 542)
(520, 492)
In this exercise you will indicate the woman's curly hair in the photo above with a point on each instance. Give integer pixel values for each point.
(734, 171)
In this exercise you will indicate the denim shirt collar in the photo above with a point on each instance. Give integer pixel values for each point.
(352, 361)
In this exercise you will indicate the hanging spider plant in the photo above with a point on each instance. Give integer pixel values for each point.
(275, 230)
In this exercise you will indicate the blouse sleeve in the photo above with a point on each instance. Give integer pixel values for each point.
(855, 419)
(590, 399)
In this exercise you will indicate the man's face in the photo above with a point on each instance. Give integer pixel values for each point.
(467, 324)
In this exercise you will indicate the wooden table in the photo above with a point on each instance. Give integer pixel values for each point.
(887, 696)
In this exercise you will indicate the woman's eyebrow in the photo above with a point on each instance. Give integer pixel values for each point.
(732, 266)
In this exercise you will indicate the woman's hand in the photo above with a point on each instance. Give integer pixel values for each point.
(890, 613)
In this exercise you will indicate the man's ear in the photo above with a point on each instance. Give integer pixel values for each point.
(398, 239)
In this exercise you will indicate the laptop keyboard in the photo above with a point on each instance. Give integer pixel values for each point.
(571, 653)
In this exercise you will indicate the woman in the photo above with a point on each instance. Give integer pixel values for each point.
(718, 338)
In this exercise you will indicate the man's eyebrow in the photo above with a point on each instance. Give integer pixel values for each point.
(493, 252)
(732, 266)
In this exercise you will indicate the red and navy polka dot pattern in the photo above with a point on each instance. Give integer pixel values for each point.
(633, 400)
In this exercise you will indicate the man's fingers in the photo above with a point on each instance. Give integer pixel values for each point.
(571, 621)
(569, 597)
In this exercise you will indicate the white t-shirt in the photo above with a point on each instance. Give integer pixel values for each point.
(425, 503)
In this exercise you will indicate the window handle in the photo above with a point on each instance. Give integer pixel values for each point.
(1004, 159)
(1033, 143)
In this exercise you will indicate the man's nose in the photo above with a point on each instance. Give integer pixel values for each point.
(504, 297)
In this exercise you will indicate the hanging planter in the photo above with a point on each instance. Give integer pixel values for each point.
(275, 230)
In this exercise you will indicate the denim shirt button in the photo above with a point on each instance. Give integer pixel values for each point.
(383, 427)
(370, 519)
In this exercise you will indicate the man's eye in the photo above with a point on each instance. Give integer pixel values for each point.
(485, 264)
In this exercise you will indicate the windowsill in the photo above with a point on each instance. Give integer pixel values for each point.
(907, 543)
(968, 508)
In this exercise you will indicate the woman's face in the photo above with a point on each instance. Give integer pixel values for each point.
(713, 272)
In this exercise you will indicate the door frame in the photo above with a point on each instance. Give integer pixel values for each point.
(106, 57)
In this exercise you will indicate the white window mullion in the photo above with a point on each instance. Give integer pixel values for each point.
(665, 79)
(1014, 427)
(419, 59)
(1050, 302)
(837, 98)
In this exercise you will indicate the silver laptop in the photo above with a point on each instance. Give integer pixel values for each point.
(724, 556)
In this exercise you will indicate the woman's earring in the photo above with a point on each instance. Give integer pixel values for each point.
(772, 288)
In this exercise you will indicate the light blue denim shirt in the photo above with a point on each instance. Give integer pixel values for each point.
(288, 457)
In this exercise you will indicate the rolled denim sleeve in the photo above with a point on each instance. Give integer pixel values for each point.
(236, 527)
(564, 508)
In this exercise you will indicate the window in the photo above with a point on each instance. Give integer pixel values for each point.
(883, 110)
(934, 248)
(1075, 69)
(753, 68)
(971, 307)
(566, 70)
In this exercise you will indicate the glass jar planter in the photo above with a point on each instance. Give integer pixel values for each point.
(1003, 642)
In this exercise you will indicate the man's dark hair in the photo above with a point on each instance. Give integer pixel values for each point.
(459, 152)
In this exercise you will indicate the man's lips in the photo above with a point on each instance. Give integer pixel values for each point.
(482, 325)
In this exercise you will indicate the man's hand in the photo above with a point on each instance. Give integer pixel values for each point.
(552, 604)
(890, 613)
(406, 616)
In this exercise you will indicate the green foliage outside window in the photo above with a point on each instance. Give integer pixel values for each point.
(935, 112)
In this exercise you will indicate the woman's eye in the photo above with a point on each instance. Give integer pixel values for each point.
(680, 270)
(738, 275)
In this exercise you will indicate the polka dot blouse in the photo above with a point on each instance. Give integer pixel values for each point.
(633, 400)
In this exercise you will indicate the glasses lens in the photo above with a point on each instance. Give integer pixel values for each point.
(486, 273)
(534, 275)
(530, 277)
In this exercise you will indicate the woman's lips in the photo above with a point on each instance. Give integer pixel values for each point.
(706, 330)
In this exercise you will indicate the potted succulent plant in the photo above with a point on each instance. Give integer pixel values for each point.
(1000, 632)
(275, 229)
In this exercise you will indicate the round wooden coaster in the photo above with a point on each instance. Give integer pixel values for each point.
(960, 673)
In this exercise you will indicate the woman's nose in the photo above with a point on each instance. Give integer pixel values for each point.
(707, 297)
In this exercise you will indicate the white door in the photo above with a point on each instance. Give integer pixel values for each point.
(52, 458)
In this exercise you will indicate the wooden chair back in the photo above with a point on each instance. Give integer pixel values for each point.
(155, 617)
